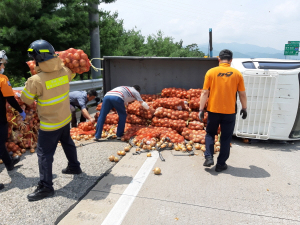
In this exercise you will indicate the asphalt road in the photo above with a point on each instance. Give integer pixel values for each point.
(261, 186)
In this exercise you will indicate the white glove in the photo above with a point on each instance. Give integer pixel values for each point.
(145, 105)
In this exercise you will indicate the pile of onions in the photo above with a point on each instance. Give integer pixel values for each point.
(22, 135)
(171, 114)
(174, 92)
(137, 109)
(196, 125)
(86, 126)
(133, 119)
(149, 98)
(170, 103)
(194, 93)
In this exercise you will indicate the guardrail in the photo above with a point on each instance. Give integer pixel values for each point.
(82, 85)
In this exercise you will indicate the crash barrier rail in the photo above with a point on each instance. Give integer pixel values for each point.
(83, 85)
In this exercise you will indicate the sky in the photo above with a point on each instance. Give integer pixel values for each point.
(266, 23)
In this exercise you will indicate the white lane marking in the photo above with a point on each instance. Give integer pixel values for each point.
(120, 209)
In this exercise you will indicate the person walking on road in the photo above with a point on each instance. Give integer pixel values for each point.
(221, 84)
(6, 95)
(50, 87)
(80, 99)
(117, 98)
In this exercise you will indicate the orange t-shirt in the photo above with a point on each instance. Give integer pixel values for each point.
(5, 86)
(223, 82)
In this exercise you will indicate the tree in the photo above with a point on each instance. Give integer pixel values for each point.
(115, 40)
(64, 23)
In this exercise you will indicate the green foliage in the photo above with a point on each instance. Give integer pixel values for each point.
(64, 23)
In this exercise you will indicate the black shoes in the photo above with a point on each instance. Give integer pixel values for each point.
(1, 186)
(69, 170)
(14, 161)
(220, 168)
(209, 161)
(40, 193)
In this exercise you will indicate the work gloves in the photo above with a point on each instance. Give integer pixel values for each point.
(145, 105)
(243, 113)
(201, 116)
(23, 114)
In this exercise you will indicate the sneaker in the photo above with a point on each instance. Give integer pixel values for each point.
(118, 138)
(68, 170)
(209, 161)
(14, 161)
(220, 168)
(40, 193)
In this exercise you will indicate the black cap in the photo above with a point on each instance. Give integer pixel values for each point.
(225, 54)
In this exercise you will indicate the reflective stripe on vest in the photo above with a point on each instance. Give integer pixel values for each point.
(28, 94)
(57, 82)
(53, 101)
(44, 50)
(55, 126)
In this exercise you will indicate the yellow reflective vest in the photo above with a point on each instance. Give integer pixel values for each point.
(50, 88)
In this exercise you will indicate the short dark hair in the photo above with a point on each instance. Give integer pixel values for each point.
(137, 87)
(225, 54)
(92, 92)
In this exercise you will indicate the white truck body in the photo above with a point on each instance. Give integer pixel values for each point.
(272, 88)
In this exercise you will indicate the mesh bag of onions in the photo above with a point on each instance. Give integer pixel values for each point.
(75, 59)
(171, 114)
(170, 103)
(174, 92)
(149, 98)
(137, 109)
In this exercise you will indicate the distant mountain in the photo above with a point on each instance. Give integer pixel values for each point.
(246, 50)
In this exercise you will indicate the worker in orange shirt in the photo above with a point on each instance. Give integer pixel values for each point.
(6, 95)
(221, 84)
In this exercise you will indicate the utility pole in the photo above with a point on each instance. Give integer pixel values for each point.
(210, 43)
(95, 41)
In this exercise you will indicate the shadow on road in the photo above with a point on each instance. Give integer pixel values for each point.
(253, 172)
(270, 145)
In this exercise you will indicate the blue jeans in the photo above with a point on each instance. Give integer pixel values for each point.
(110, 102)
(227, 122)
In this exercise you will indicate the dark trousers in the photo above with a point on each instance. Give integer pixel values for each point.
(74, 119)
(3, 151)
(227, 122)
(110, 102)
(47, 143)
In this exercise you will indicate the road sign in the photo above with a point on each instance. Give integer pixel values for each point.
(291, 49)
(294, 42)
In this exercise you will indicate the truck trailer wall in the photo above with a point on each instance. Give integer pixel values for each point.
(155, 73)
